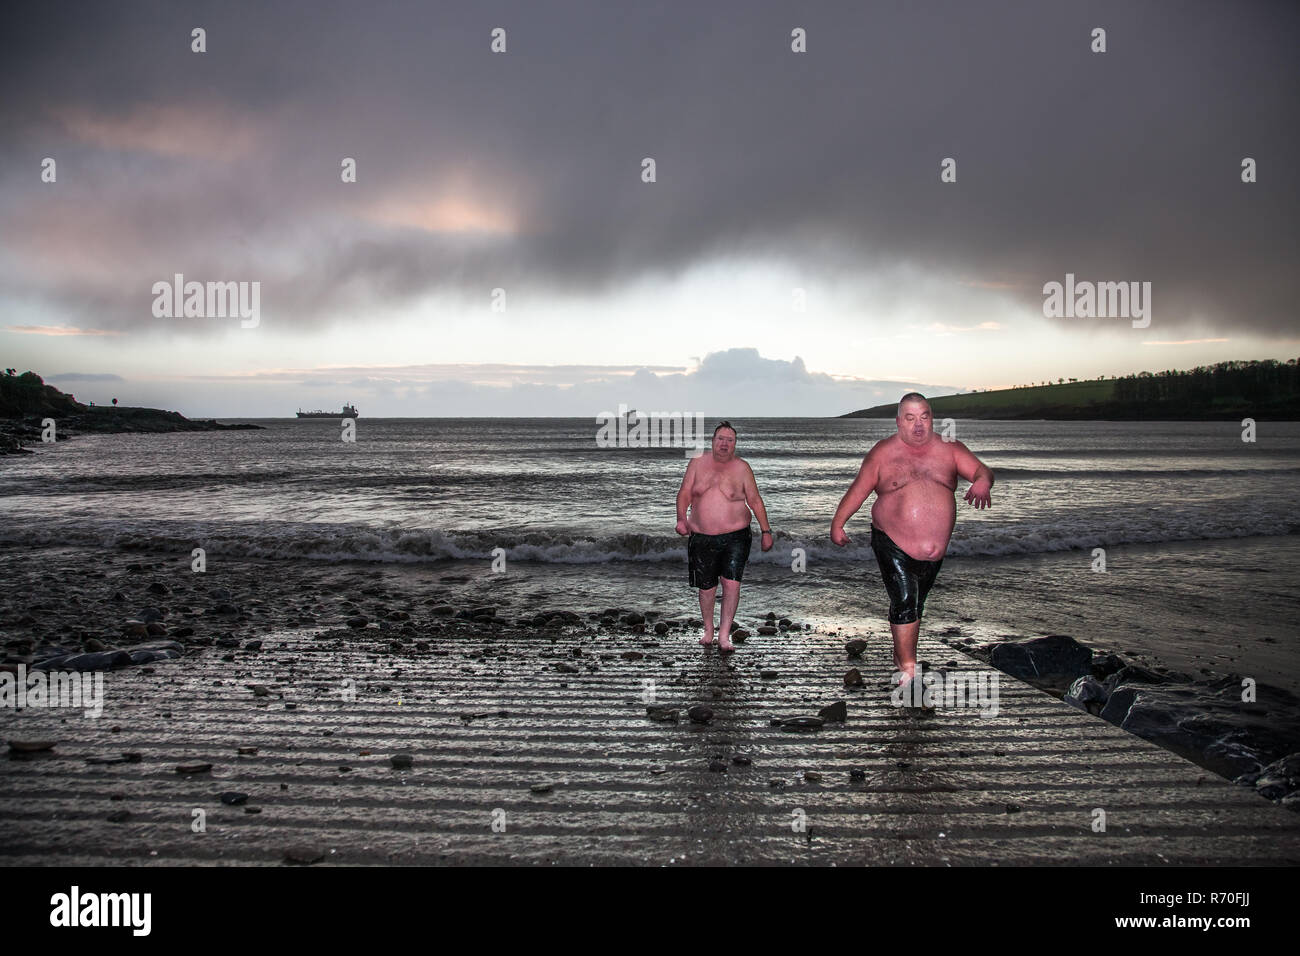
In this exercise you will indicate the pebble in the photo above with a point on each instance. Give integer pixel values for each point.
(855, 647)
(767, 629)
(663, 713)
(802, 723)
(837, 712)
(119, 816)
(542, 787)
(194, 768)
(717, 766)
(401, 761)
(700, 714)
(305, 855)
(853, 678)
(857, 773)
(247, 751)
(232, 798)
(812, 776)
(31, 746)
(768, 675)
(742, 760)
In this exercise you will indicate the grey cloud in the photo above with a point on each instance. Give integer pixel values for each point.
(1115, 166)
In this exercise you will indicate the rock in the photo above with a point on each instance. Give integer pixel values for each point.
(853, 678)
(401, 761)
(119, 816)
(542, 787)
(802, 723)
(857, 773)
(158, 588)
(31, 746)
(233, 798)
(767, 630)
(1104, 666)
(304, 855)
(358, 622)
(837, 712)
(812, 776)
(565, 668)
(1057, 655)
(661, 713)
(784, 622)
(776, 783)
(739, 635)
(247, 751)
(768, 674)
(700, 714)
(855, 647)
(1132, 674)
(94, 645)
(443, 610)
(156, 629)
(632, 655)
(194, 768)
(717, 766)
(1280, 778)
(1013, 808)
(260, 690)
(771, 617)
(661, 628)
(741, 760)
(633, 618)
(1087, 693)
(224, 609)
(253, 646)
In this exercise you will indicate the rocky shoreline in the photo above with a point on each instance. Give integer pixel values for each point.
(16, 434)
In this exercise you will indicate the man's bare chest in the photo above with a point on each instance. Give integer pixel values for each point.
(899, 471)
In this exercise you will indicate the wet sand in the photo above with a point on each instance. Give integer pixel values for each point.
(529, 741)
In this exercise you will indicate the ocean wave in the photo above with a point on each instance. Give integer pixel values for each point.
(338, 543)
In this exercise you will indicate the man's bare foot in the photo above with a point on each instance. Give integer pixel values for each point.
(707, 639)
(725, 646)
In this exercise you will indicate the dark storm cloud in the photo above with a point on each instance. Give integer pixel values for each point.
(1115, 166)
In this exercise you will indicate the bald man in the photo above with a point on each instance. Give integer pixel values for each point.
(914, 475)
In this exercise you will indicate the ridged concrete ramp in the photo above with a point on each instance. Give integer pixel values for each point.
(485, 714)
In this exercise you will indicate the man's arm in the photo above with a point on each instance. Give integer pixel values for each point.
(755, 502)
(977, 473)
(684, 496)
(859, 491)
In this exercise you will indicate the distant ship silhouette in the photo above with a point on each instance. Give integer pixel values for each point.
(349, 411)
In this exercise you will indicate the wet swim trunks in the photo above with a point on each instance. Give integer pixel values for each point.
(906, 579)
(711, 556)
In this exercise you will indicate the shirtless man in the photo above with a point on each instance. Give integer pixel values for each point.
(719, 488)
(914, 474)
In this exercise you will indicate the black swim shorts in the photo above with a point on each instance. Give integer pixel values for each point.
(906, 579)
(711, 556)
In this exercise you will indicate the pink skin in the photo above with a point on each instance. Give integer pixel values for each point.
(914, 474)
(720, 494)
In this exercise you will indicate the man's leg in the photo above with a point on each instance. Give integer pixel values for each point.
(905, 637)
(706, 612)
(730, 601)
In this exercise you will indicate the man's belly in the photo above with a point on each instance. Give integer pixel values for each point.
(919, 517)
(714, 513)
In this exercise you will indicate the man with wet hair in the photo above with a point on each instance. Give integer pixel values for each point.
(720, 492)
(914, 475)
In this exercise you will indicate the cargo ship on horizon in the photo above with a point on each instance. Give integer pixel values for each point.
(349, 411)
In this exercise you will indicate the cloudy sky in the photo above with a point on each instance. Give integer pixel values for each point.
(798, 251)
